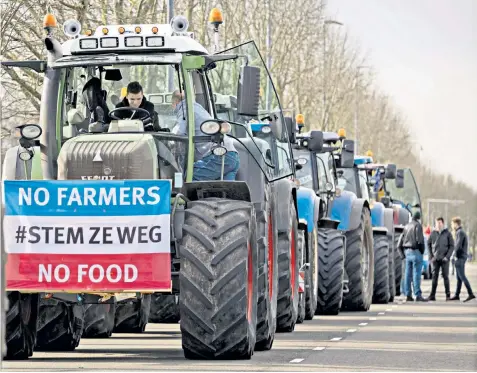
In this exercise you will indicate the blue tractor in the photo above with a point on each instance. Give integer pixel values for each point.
(345, 241)
(367, 180)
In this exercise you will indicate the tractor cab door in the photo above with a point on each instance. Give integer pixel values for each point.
(273, 142)
(404, 191)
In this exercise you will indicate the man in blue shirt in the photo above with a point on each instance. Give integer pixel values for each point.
(207, 166)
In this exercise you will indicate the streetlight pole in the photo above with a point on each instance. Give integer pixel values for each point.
(269, 56)
(356, 108)
(170, 71)
(325, 116)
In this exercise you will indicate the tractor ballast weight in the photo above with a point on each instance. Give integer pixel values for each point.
(226, 236)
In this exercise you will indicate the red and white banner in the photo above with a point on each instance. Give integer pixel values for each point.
(83, 247)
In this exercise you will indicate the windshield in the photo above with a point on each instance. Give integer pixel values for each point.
(225, 79)
(325, 166)
(347, 181)
(90, 93)
(305, 174)
(90, 87)
(407, 195)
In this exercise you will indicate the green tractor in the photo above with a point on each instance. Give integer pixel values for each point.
(232, 257)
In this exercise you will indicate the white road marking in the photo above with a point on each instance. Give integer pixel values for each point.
(336, 339)
(373, 318)
(297, 360)
(394, 306)
(351, 330)
(389, 309)
(381, 313)
(363, 324)
(319, 348)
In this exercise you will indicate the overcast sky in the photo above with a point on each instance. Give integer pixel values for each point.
(425, 55)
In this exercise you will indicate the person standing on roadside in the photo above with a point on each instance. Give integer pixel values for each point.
(441, 247)
(461, 253)
(411, 247)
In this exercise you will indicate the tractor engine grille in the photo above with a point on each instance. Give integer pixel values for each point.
(89, 158)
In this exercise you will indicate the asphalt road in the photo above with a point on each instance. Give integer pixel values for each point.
(402, 336)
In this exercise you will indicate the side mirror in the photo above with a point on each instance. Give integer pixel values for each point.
(399, 179)
(390, 171)
(113, 75)
(248, 91)
(291, 128)
(347, 154)
(386, 201)
(29, 131)
(315, 143)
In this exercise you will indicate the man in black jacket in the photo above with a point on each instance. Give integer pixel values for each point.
(441, 246)
(411, 247)
(135, 99)
(461, 252)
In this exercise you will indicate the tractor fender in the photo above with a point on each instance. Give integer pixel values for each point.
(377, 214)
(196, 190)
(404, 217)
(346, 208)
(356, 210)
(282, 190)
(388, 221)
(308, 207)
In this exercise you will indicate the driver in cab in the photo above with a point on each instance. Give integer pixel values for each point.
(135, 99)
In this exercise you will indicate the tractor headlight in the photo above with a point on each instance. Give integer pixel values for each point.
(219, 151)
(210, 127)
(266, 129)
(25, 156)
(225, 127)
(89, 43)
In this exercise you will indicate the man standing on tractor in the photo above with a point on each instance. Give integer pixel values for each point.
(441, 246)
(461, 250)
(207, 166)
(411, 247)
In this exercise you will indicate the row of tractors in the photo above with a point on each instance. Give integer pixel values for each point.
(307, 228)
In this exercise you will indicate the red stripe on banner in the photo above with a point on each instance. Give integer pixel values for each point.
(91, 272)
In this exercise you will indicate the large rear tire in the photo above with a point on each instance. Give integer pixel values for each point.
(164, 309)
(132, 315)
(60, 325)
(288, 297)
(267, 273)
(359, 265)
(381, 269)
(21, 321)
(99, 320)
(218, 280)
(331, 254)
(392, 282)
(311, 289)
(397, 263)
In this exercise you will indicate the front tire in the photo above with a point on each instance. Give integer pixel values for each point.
(164, 309)
(397, 264)
(60, 325)
(331, 254)
(311, 291)
(21, 321)
(218, 280)
(99, 320)
(132, 314)
(301, 256)
(392, 281)
(360, 265)
(288, 296)
(381, 269)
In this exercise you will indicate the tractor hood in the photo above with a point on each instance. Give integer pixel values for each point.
(108, 157)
